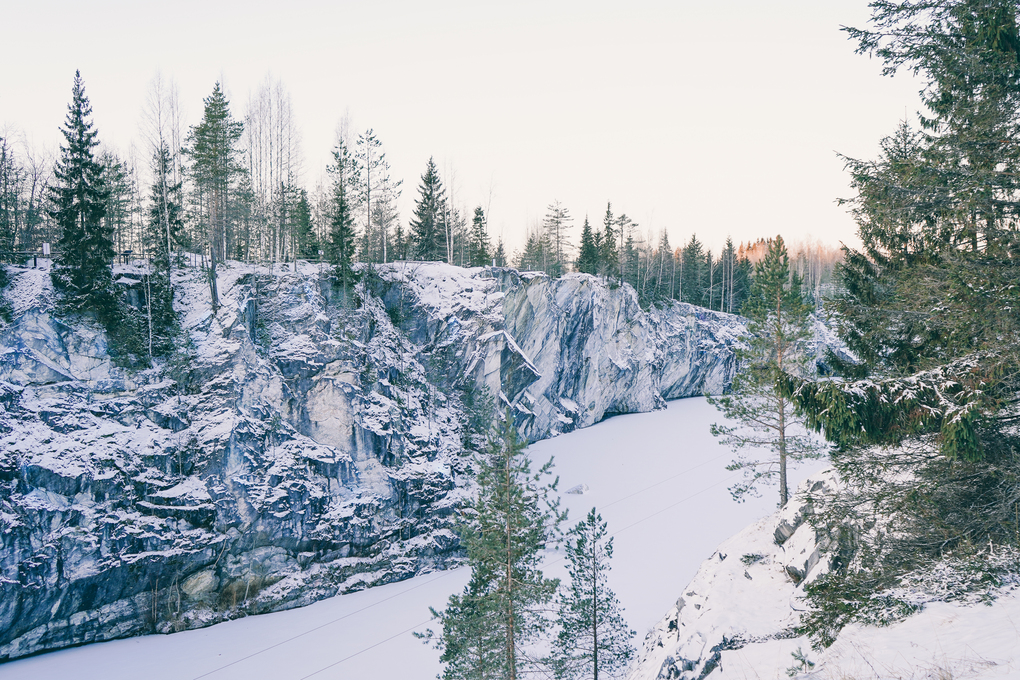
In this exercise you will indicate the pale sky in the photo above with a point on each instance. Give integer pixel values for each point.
(710, 118)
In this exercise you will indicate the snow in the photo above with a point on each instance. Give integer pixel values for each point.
(658, 478)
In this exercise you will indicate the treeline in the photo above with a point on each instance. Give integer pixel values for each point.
(236, 188)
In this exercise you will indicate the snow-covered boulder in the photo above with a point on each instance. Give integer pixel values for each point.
(749, 591)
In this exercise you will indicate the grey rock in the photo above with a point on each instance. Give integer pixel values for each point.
(305, 444)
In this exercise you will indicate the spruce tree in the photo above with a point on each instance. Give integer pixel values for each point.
(340, 246)
(487, 627)
(82, 272)
(609, 260)
(163, 234)
(760, 399)
(593, 639)
(500, 255)
(428, 228)
(216, 171)
(307, 241)
(588, 254)
(479, 252)
(692, 268)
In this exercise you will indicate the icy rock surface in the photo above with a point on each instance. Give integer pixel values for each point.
(307, 443)
(749, 591)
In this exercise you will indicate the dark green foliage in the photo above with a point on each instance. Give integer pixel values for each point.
(9, 207)
(588, 256)
(218, 176)
(609, 256)
(216, 169)
(82, 273)
(759, 398)
(163, 236)
(428, 226)
(486, 627)
(554, 227)
(500, 255)
(479, 248)
(341, 244)
(593, 639)
(929, 307)
(537, 255)
(307, 242)
(692, 272)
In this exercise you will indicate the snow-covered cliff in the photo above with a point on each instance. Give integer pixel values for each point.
(301, 444)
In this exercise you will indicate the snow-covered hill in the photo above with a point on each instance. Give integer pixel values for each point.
(301, 445)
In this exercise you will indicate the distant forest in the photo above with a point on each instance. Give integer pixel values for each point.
(237, 184)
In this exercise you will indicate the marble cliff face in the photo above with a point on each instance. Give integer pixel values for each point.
(305, 442)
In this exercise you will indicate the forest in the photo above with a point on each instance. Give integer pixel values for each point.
(234, 185)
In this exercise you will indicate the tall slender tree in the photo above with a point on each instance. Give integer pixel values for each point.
(428, 226)
(341, 241)
(588, 254)
(593, 639)
(760, 399)
(489, 625)
(82, 272)
(480, 251)
(215, 171)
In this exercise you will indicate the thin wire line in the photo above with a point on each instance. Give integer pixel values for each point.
(451, 571)
(547, 564)
(442, 574)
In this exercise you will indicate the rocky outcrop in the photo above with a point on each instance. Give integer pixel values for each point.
(749, 591)
(304, 441)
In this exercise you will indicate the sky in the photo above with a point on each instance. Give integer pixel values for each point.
(715, 119)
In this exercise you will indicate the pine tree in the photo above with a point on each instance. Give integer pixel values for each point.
(82, 273)
(593, 639)
(760, 399)
(428, 226)
(307, 241)
(486, 628)
(588, 254)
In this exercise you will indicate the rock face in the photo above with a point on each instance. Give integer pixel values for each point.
(304, 443)
(749, 591)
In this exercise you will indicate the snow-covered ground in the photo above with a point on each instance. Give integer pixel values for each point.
(660, 481)
(658, 478)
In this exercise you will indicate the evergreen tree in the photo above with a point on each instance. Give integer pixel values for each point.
(609, 255)
(428, 226)
(164, 230)
(486, 628)
(341, 243)
(588, 254)
(82, 272)
(500, 255)
(479, 252)
(9, 209)
(216, 170)
(555, 225)
(760, 399)
(692, 272)
(593, 639)
(304, 231)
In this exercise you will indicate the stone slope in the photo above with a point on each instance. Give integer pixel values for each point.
(305, 443)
